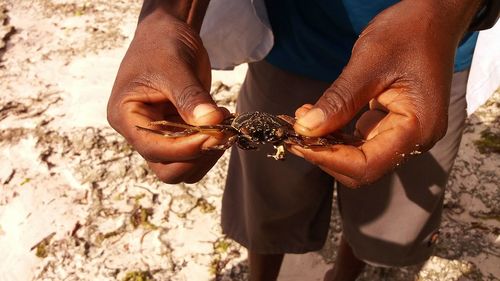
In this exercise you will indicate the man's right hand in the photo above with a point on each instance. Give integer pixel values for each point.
(166, 75)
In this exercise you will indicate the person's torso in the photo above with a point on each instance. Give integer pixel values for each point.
(315, 37)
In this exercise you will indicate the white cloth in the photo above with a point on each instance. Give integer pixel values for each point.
(484, 78)
(238, 31)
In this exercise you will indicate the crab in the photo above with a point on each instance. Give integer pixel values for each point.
(250, 129)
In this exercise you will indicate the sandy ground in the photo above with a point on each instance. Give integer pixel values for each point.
(76, 203)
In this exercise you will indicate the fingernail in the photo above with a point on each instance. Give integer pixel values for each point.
(203, 110)
(312, 119)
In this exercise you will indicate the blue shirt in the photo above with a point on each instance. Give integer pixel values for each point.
(314, 38)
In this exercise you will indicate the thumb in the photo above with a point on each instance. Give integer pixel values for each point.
(353, 89)
(192, 100)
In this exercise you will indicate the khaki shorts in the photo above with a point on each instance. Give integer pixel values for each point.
(273, 207)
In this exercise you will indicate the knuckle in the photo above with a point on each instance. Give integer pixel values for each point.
(169, 179)
(368, 179)
(111, 117)
(180, 36)
(166, 176)
(114, 112)
(146, 83)
(429, 132)
(188, 97)
(339, 97)
(186, 36)
(147, 152)
(366, 176)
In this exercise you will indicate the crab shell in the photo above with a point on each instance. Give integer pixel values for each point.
(261, 128)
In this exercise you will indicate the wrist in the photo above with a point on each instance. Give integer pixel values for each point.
(191, 12)
(449, 19)
(458, 13)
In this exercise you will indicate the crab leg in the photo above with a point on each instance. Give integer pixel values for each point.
(187, 129)
(171, 124)
(323, 142)
(224, 146)
(168, 134)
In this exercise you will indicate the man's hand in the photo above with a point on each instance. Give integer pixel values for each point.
(401, 66)
(165, 75)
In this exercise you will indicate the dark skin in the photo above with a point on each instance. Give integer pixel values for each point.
(166, 74)
(401, 66)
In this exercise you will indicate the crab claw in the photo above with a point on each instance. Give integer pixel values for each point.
(279, 154)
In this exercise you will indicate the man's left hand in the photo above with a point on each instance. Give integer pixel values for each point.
(402, 66)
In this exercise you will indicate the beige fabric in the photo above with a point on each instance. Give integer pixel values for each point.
(276, 206)
(284, 206)
(398, 215)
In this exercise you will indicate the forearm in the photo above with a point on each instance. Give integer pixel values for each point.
(191, 12)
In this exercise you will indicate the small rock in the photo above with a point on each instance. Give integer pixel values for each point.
(6, 173)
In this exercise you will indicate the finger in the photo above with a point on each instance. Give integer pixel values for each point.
(343, 179)
(182, 88)
(359, 82)
(346, 180)
(367, 126)
(225, 112)
(376, 105)
(301, 111)
(329, 158)
(172, 173)
(158, 148)
(188, 172)
(192, 100)
(374, 154)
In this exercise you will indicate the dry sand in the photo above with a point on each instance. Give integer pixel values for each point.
(76, 203)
